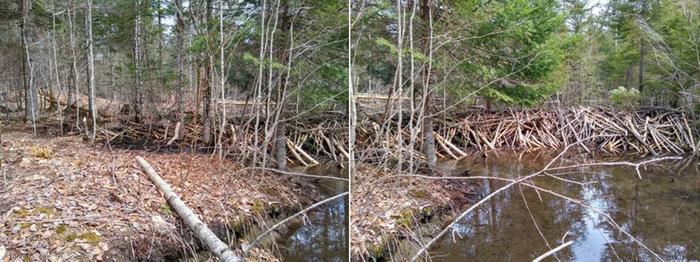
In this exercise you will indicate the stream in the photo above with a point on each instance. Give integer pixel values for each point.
(323, 235)
(662, 210)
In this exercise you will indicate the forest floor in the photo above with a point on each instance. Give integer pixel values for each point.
(62, 199)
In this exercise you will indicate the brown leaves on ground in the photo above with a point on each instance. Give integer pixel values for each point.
(384, 206)
(89, 203)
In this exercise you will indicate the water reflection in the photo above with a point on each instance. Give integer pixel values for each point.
(323, 234)
(661, 210)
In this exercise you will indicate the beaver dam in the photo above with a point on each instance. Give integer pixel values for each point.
(595, 129)
(652, 131)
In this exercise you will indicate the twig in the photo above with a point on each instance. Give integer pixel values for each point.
(291, 173)
(555, 250)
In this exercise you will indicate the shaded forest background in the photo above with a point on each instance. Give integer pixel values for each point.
(283, 61)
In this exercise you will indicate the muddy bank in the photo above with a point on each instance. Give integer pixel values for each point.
(61, 199)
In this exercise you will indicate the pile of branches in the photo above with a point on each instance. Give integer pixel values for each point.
(307, 141)
(651, 131)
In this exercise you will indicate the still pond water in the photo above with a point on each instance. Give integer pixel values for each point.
(662, 210)
(324, 233)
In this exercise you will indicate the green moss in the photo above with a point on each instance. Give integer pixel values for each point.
(61, 229)
(426, 214)
(258, 206)
(24, 225)
(405, 217)
(165, 209)
(71, 237)
(26, 258)
(378, 250)
(237, 224)
(420, 194)
(269, 191)
(21, 212)
(49, 211)
(275, 209)
(91, 237)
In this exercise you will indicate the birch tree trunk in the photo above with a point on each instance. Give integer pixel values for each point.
(70, 88)
(213, 243)
(91, 71)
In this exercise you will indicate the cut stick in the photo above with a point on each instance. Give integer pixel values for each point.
(295, 153)
(450, 145)
(175, 136)
(444, 147)
(640, 139)
(213, 243)
(301, 151)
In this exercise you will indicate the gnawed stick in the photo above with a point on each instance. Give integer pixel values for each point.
(450, 145)
(175, 136)
(301, 152)
(640, 139)
(213, 243)
(295, 153)
(444, 147)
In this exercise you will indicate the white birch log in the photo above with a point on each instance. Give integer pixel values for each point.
(213, 243)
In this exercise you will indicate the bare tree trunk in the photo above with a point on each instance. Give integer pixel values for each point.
(281, 126)
(352, 114)
(642, 51)
(222, 77)
(203, 233)
(31, 101)
(206, 134)
(428, 139)
(399, 81)
(258, 87)
(91, 71)
(73, 89)
(138, 88)
(55, 67)
(180, 30)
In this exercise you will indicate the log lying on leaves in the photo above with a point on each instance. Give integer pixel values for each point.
(213, 243)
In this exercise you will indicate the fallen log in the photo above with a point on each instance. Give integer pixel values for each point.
(213, 243)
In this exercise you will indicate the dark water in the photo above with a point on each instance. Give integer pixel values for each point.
(324, 233)
(662, 210)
